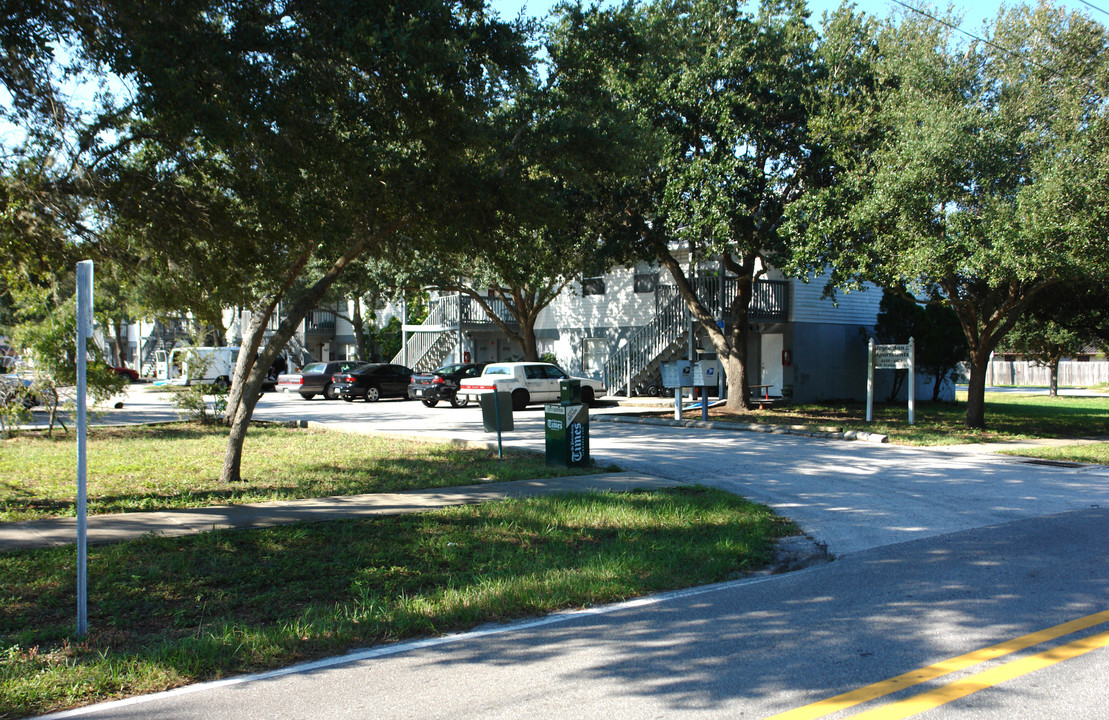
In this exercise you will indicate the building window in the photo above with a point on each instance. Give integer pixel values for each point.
(593, 286)
(594, 354)
(645, 282)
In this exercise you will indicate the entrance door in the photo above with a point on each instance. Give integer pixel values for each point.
(772, 374)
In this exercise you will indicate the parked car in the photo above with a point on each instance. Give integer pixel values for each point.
(373, 382)
(442, 384)
(125, 372)
(528, 382)
(315, 378)
(16, 388)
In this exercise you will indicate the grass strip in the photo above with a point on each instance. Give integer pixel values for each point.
(132, 469)
(167, 612)
(1009, 417)
(1093, 453)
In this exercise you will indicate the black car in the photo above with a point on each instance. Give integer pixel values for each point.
(373, 382)
(442, 384)
(315, 378)
(15, 388)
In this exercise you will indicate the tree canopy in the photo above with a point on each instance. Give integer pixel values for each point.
(720, 99)
(971, 171)
(261, 139)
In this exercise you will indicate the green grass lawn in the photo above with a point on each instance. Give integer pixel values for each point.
(1094, 453)
(175, 466)
(1009, 416)
(165, 612)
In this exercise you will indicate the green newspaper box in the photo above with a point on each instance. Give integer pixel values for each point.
(567, 430)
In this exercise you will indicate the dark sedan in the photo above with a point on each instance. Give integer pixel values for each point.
(373, 382)
(315, 378)
(442, 384)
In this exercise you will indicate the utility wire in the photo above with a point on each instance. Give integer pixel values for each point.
(1095, 7)
(992, 44)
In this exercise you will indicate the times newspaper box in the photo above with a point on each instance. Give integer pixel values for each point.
(567, 428)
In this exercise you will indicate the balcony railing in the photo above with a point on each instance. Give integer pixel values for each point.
(769, 298)
(319, 322)
(447, 311)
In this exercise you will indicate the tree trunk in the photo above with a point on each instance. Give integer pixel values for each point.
(976, 390)
(899, 377)
(737, 357)
(248, 357)
(739, 385)
(528, 343)
(117, 347)
(359, 329)
(245, 394)
(1053, 391)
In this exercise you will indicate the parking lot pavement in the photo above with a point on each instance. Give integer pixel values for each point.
(139, 403)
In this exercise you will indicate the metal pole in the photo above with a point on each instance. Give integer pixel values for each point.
(84, 329)
(629, 369)
(870, 381)
(912, 380)
(403, 331)
(497, 416)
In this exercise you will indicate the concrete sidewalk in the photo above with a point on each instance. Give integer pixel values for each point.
(55, 532)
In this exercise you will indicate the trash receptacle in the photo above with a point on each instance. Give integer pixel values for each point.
(496, 409)
(570, 391)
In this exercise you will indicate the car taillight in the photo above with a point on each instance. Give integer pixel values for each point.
(438, 380)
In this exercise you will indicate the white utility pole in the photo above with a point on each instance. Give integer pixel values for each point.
(84, 330)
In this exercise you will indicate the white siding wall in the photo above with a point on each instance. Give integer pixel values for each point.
(854, 308)
(620, 306)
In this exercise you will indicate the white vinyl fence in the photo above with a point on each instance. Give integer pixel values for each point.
(1025, 373)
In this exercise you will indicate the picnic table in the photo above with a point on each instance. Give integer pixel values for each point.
(763, 398)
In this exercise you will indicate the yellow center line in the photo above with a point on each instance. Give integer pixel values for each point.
(915, 677)
(983, 680)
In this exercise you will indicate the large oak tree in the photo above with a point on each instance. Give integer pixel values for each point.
(721, 99)
(265, 140)
(974, 170)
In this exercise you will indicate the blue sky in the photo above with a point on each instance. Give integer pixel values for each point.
(974, 12)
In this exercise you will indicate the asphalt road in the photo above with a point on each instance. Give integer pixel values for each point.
(938, 554)
(749, 649)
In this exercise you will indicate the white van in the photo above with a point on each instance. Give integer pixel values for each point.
(186, 365)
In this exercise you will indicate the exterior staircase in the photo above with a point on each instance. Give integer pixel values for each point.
(437, 336)
(639, 361)
(164, 336)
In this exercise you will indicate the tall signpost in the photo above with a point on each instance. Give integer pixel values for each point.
(891, 357)
(84, 330)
